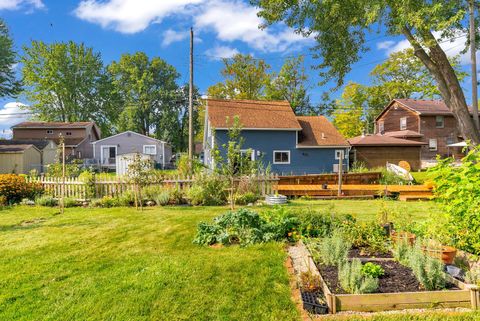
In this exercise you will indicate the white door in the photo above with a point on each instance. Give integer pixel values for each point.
(108, 154)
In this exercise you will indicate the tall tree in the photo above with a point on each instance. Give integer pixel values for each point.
(290, 84)
(340, 27)
(348, 116)
(244, 78)
(148, 92)
(67, 82)
(9, 85)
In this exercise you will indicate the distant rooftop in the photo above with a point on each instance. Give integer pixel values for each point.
(382, 140)
(318, 131)
(56, 125)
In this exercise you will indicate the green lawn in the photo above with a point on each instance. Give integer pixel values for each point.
(120, 264)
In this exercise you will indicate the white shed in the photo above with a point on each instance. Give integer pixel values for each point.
(123, 161)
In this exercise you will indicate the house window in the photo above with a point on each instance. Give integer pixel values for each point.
(49, 131)
(439, 122)
(244, 153)
(281, 157)
(339, 153)
(108, 154)
(403, 123)
(381, 127)
(450, 140)
(68, 133)
(432, 144)
(150, 149)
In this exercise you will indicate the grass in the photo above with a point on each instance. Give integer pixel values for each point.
(420, 177)
(120, 264)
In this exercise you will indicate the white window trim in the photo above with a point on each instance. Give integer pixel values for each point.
(154, 146)
(433, 149)
(345, 155)
(281, 151)
(101, 151)
(401, 121)
(443, 122)
(252, 156)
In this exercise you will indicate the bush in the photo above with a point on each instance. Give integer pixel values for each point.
(183, 165)
(246, 198)
(177, 196)
(401, 251)
(46, 201)
(309, 282)
(332, 250)
(71, 169)
(208, 189)
(246, 227)
(14, 188)
(372, 270)
(317, 224)
(369, 237)
(458, 194)
(353, 280)
(3, 200)
(106, 202)
(69, 202)
(127, 198)
(163, 198)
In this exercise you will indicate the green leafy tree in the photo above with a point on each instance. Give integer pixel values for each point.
(139, 174)
(244, 78)
(348, 116)
(67, 82)
(148, 93)
(290, 84)
(340, 28)
(9, 86)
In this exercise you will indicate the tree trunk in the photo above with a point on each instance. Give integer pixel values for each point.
(438, 64)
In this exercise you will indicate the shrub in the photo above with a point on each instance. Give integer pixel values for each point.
(15, 188)
(208, 189)
(3, 200)
(473, 276)
(370, 237)
(106, 201)
(331, 250)
(69, 202)
(280, 224)
(316, 223)
(427, 270)
(71, 169)
(389, 178)
(163, 198)
(177, 196)
(372, 270)
(246, 227)
(127, 198)
(353, 280)
(183, 165)
(46, 201)
(246, 198)
(458, 194)
(401, 251)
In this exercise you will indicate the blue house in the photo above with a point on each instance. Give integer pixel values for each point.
(289, 144)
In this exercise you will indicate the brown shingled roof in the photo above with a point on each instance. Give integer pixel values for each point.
(318, 131)
(50, 124)
(382, 140)
(404, 133)
(253, 114)
(39, 143)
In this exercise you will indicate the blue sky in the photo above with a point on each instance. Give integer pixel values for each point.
(160, 28)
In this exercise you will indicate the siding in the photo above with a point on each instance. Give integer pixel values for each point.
(391, 119)
(304, 160)
(429, 130)
(11, 163)
(378, 156)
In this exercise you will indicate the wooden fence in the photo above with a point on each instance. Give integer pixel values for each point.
(78, 189)
(319, 179)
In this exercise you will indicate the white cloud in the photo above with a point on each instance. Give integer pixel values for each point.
(130, 16)
(17, 4)
(219, 52)
(229, 20)
(170, 36)
(11, 114)
(452, 48)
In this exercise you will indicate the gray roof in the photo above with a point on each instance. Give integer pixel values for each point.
(39, 143)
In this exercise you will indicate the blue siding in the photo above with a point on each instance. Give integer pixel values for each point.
(303, 160)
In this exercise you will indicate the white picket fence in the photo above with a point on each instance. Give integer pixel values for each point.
(78, 189)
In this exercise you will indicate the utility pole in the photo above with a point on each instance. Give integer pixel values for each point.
(473, 54)
(190, 103)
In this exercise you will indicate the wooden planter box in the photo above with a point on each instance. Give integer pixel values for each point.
(467, 297)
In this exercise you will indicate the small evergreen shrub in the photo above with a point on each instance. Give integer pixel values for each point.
(372, 270)
(333, 250)
(427, 270)
(163, 198)
(401, 251)
(353, 280)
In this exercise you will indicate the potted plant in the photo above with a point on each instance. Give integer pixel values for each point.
(398, 236)
(442, 252)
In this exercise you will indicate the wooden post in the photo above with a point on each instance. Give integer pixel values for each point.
(340, 172)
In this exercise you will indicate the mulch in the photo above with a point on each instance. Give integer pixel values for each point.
(362, 253)
(397, 278)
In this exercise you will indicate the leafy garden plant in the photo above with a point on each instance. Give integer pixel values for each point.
(332, 250)
(369, 237)
(372, 270)
(353, 280)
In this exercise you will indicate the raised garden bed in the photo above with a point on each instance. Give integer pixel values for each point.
(398, 290)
